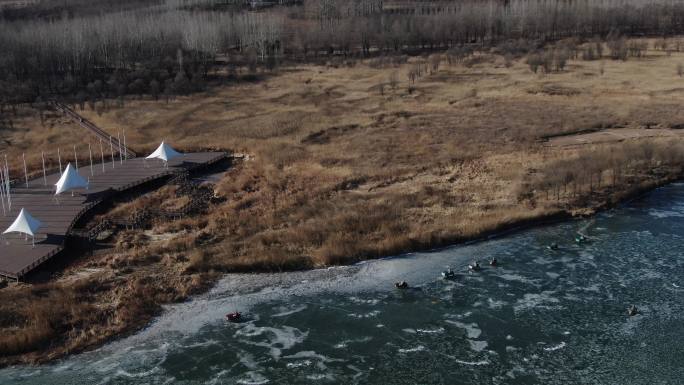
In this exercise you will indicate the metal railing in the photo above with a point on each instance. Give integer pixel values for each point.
(198, 199)
(85, 123)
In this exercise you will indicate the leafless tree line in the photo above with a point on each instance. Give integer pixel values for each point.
(166, 49)
(613, 167)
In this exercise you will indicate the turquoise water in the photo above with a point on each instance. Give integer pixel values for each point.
(542, 316)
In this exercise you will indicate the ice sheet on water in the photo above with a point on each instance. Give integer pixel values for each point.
(253, 378)
(477, 346)
(273, 338)
(285, 311)
(496, 304)
(532, 300)
(415, 349)
(472, 329)
(345, 343)
(662, 214)
(555, 347)
(472, 363)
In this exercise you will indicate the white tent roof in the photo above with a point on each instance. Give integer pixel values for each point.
(70, 179)
(164, 152)
(25, 224)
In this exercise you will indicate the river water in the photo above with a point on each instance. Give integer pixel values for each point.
(542, 316)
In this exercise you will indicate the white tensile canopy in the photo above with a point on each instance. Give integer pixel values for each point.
(70, 180)
(164, 152)
(25, 224)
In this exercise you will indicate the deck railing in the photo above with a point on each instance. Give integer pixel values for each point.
(196, 202)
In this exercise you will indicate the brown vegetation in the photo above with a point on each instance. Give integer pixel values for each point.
(339, 172)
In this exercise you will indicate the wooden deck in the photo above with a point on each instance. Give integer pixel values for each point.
(18, 257)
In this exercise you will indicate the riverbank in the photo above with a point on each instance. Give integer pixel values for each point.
(535, 318)
(114, 294)
(346, 165)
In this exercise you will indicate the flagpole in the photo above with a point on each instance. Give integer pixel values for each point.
(7, 185)
(125, 148)
(111, 149)
(23, 157)
(42, 155)
(90, 154)
(118, 139)
(2, 190)
(102, 155)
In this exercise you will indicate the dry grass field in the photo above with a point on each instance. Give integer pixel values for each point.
(353, 162)
(345, 164)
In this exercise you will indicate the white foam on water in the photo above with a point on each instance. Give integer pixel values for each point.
(253, 378)
(119, 362)
(472, 329)
(477, 346)
(309, 355)
(62, 368)
(285, 312)
(458, 316)
(472, 363)
(533, 300)
(542, 261)
(320, 376)
(370, 314)
(650, 274)
(32, 373)
(555, 347)
(573, 297)
(373, 301)
(201, 344)
(299, 364)
(277, 339)
(146, 373)
(661, 214)
(509, 276)
(494, 304)
(593, 287)
(346, 343)
(552, 275)
(248, 361)
(418, 348)
(475, 278)
(217, 378)
(313, 355)
(438, 330)
(358, 371)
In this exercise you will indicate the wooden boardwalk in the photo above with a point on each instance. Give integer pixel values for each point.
(18, 257)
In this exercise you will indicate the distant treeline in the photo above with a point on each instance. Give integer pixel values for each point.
(154, 48)
(50, 9)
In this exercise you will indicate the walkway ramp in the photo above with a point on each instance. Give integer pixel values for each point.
(18, 258)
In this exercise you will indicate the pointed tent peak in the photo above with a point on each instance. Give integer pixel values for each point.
(164, 152)
(70, 180)
(25, 223)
